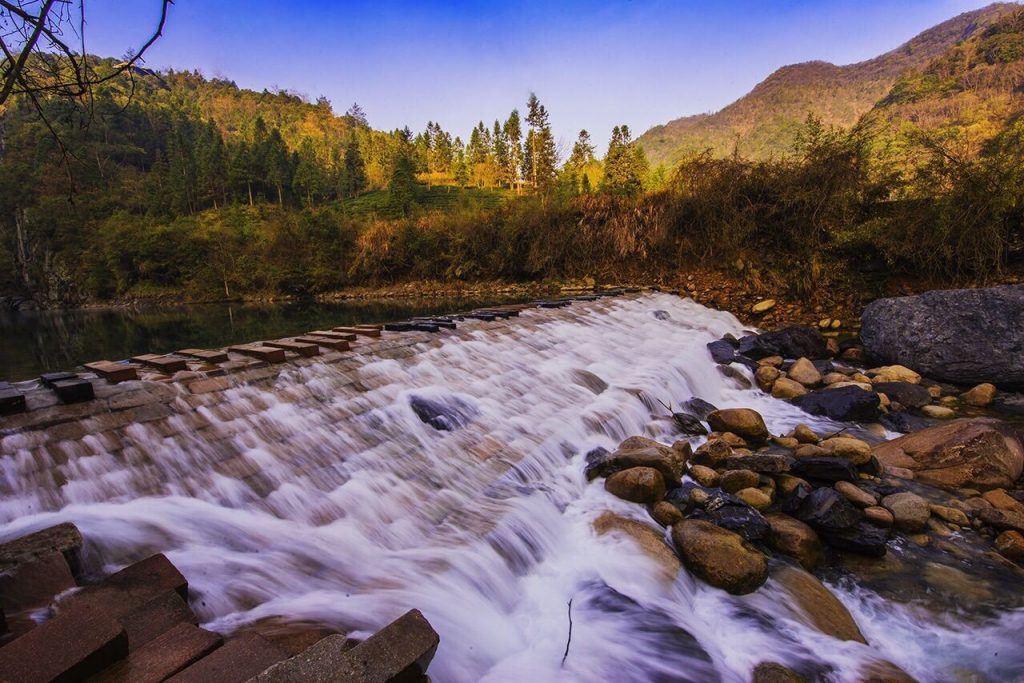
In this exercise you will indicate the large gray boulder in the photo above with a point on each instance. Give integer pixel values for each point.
(966, 336)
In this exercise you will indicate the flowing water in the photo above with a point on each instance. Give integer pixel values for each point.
(324, 499)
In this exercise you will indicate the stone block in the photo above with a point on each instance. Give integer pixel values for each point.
(331, 334)
(267, 354)
(326, 342)
(113, 372)
(167, 364)
(205, 355)
(236, 661)
(162, 657)
(74, 390)
(360, 331)
(125, 591)
(64, 538)
(48, 378)
(152, 618)
(303, 349)
(11, 400)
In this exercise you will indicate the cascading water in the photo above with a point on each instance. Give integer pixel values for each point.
(326, 499)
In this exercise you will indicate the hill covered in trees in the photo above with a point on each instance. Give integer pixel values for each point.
(765, 121)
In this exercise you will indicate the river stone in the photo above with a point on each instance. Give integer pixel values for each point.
(803, 371)
(982, 453)
(967, 336)
(820, 608)
(637, 485)
(755, 498)
(699, 407)
(904, 423)
(950, 515)
(1010, 545)
(805, 434)
(767, 463)
(766, 376)
(712, 453)
(736, 516)
(792, 537)
(721, 351)
(856, 451)
(735, 480)
(910, 511)
(743, 422)
(893, 373)
(720, 557)
(1003, 519)
(848, 404)
(443, 413)
(705, 476)
(1001, 500)
(790, 342)
(689, 424)
(784, 388)
(825, 469)
(879, 516)
(862, 538)
(906, 394)
(980, 396)
(649, 540)
(826, 508)
(938, 412)
(856, 494)
(666, 514)
(639, 451)
(772, 672)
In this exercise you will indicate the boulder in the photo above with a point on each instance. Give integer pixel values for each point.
(827, 509)
(639, 451)
(637, 485)
(907, 394)
(743, 422)
(712, 453)
(784, 388)
(981, 395)
(721, 351)
(909, 510)
(1010, 545)
(804, 372)
(790, 342)
(650, 541)
(825, 469)
(967, 336)
(720, 557)
(982, 453)
(792, 537)
(862, 538)
(856, 451)
(773, 672)
(848, 404)
(735, 480)
(755, 498)
(817, 605)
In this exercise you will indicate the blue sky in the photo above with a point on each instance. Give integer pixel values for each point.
(594, 65)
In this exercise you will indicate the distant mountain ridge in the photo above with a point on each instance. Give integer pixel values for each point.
(764, 122)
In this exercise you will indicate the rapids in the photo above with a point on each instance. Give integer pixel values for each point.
(325, 500)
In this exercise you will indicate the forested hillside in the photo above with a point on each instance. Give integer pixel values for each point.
(764, 122)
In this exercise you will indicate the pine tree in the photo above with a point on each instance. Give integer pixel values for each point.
(213, 166)
(541, 145)
(402, 188)
(277, 164)
(352, 179)
(625, 165)
(240, 169)
(513, 132)
(309, 177)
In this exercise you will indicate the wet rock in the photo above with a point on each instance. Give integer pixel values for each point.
(771, 361)
(790, 342)
(766, 463)
(446, 413)
(792, 537)
(1010, 545)
(910, 511)
(893, 373)
(819, 607)
(847, 404)
(698, 407)
(743, 422)
(1001, 500)
(952, 581)
(712, 453)
(804, 372)
(879, 516)
(766, 376)
(705, 476)
(648, 539)
(721, 351)
(720, 557)
(980, 452)
(785, 388)
(596, 463)
(951, 515)
(805, 434)
(884, 672)
(981, 395)
(786, 442)
(755, 498)
(689, 424)
(856, 495)
(1003, 519)
(862, 538)
(828, 470)
(856, 451)
(904, 393)
(763, 306)
(735, 515)
(903, 422)
(639, 451)
(938, 412)
(965, 336)
(827, 509)
(637, 485)
(735, 480)
(810, 450)
(785, 484)
(771, 672)
(666, 514)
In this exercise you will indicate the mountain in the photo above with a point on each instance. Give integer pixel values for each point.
(764, 122)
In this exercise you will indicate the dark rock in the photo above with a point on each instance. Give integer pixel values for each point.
(826, 509)
(771, 672)
(721, 351)
(638, 451)
(847, 404)
(792, 502)
(863, 538)
(74, 390)
(966, 336)
(236, 661)
(766, 463)
(658, 315)
(735, 516)
(699, 407)
(903, 422)
(48, 378)
(689, 424)
(11, 400)
(598, 463)
(443, 413)
(791, 342)
(825, 469)
(163, 657)
(910, 395)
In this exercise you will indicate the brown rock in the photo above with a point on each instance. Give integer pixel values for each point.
(810, 451)
(705, 476)
(803, 371)
(854, 450)
(816, 603)
(879, 516)
(744, 422)
(1002, 519)
(711, 453)
(1001, 500)
(765, 377)
(787, 483)
(805, 434)
(938, 412)
(755, 498)
(771, 361)
(894, 373)
(856, 495)
(786, 388)
(734, 480)
(785, 442)
(1010, 545)
(792, 537)
(637, 485)
(720, 557)
(638, 451)
(980, 396)
(910, 511)
(770, 672)
(832, 378)
(951, 515)
(666, 514)
(650, 541)
(979, 452)
(878, 671)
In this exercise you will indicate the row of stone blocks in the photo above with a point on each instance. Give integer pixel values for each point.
(136, 626)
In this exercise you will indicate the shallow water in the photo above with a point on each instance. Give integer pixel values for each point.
(324, 501)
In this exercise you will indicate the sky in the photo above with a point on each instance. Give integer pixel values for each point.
(593, 65)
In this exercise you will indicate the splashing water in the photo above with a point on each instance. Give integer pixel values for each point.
(450, 479)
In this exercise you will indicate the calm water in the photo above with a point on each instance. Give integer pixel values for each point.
(33, 342)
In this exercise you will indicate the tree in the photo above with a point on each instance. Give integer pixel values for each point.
(352, 179)
(540, 142)
(581, 157)
(241, 169)
(309, 175)
(625, 165)
(513, 133)
(402, 188)
(277, 164)
(460, 167)
(356, 117)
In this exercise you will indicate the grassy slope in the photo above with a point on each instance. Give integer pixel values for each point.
(763, 122)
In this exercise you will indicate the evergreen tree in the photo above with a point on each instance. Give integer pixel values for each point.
(513, 132)
(500, 143)
(541, 145)
(352, 179)
(309, 176)
(241, 170)
(277, 164)
(402, 188)
(625, 165)
(213, 167)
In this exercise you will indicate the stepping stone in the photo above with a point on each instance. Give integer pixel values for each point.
(401, 651)
(331, 334)
(303, 349)
(167, 364)
(162, 657)
(74, 390)
(32, 586)
(260, 352)
(64, 538)
(236, 661)
(133, 587)
(113, 372)
(370, 326)
(440, 322)
(206, 355)
(69, 647)
(488, 317)
(155, 617)
(11, 400)
(326, 342)
(586, 297)
(364, 331)
(50, 378)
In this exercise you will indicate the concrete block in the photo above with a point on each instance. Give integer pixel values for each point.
(163, 656)
(238, 660)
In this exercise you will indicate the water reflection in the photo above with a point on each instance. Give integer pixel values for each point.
(32, 342)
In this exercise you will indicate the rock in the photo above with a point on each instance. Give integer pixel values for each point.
(637, 485)
(854, 450)
(910, 511)
(1002, 519)
(951, 515)
(1001, 500)
(879, 516)
(967, 336)
(827, 509)
(443, 413)
(650, 541)
(766, 463)
(790, 342)
(771, 672)
(763, 306)
(698, 407)
(848, 404)
(786, 442)
(734, 480)
(903, 422)
(639, 451)
(904, 393)
(733, 514)
(792, 537)
(705, 476)
(819, 607)
(785, 388)
(981, 452)
(833, 378)
(666, 514)
(809, 450)
(755, 498)
(744, 422)
(879, 671)
(721, 351)
(596, 463)
(803, 371)
(689, 424)
(786, 483)
(720, 557)
(805, 434)
(712, 453)
(765, 376)
(771, 361)
(862, 538)
(855, 494)
(938, 412)
(826, 469)
(893, 373)
(952, 581)
(1010, 545)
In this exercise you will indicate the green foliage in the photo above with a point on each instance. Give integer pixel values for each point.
(625, 166)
